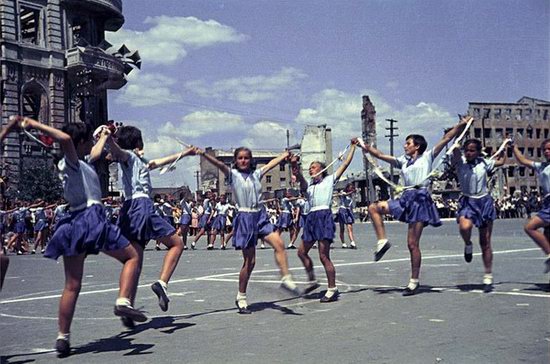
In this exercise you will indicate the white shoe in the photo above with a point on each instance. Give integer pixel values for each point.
(344, 246)
(352, 245)
(262, 246)
(288, 284)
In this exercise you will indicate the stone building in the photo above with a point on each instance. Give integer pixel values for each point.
(55, 68)
(529, 120)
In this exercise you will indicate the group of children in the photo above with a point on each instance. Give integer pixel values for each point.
(86, 230)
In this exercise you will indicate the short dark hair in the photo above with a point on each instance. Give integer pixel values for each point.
(543, 144)
(79, 132)
(129, 137)
(323, 166)
(476, 142)
(419, 141)
(244, 149)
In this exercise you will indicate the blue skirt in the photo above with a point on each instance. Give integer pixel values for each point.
(20, 227)
(302, 220)
(40, 225)
(479, 210)
(84, 231)
(544, 213)
(248, 227)
(169, 219)
(204, 224)
(319, 225)
(185, 219)
(219, 223)
(415, 206)
(345, 216)
(285, 220)
(139, 222)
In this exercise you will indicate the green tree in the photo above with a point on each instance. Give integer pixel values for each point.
(39, 179)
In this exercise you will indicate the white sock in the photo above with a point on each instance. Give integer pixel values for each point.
(123, 301)
(413, 283)
(163, 284)
(488, 278)
(63, 336)
(331, 292)
(381, 243)
(241, 296)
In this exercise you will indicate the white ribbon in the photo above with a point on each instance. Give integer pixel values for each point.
(340, 157)
(501, 148)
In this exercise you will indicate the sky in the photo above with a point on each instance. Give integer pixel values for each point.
(230, 73)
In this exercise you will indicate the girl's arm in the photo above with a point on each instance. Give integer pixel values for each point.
(346, 163)
(458, 128)
(377, 154)
(62, 138)
(214, 161)
(157, 163)
(118, 154)
(297, 171)
(501, 159)
(97, 149)
(275, 162)
(521, 158)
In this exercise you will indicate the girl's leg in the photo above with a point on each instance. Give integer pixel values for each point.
(175, 248)
(4, 262)
(213, 235)
(342, 238)
(276, 242)
(324, 254)
(352, 244)
(413, 243)
(249, 260)
(303, 251)
(74, 267)
(197, 237)
(184, 230)
(131, 269)
(377, 212)
(487, 255)
(465, 227)
(541, 238)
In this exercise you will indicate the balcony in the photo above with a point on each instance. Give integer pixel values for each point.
(111, 10)
(104, 70)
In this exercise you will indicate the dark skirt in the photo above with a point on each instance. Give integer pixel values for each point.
(302, 220)
(219, 223)
(20, 227)
(248, 227)
(40, 225)
(185, 219)
(139, 222)
(169, 219)
(84, 231)
(285, 220)
(345, 216)
(319, 225)
(544, 213)
(204, 224)
(415, 206)
(479, 210)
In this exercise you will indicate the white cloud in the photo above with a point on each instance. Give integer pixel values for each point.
(147, 89)
(170, 38)
(266, 135)
(200, 123)
(249, 89)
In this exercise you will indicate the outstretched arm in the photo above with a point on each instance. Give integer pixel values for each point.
(214, 161)
(97, 149)
(159, 162)
(275, 162)
(376, 153)
(347, 161)
(521, 158)
(64, 139)
(458, 128)
(296, 170)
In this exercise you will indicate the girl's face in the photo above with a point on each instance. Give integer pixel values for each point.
(546, 151)
(314, 168)
(243, 160)
(410, 147)
(470, 152)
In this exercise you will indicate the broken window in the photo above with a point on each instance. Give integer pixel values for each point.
(30, 25)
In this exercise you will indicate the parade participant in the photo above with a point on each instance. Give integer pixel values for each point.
(542, 219)
(185, 219)
(345, 215)
(85, 230)
(218, 225)
(319, 225)
(138, 220)
(250, 222)
(286, 218)
(41, 228)
(415, 206)
(476, 204)
(205, 222)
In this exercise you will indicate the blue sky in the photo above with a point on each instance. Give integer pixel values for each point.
(231, 73)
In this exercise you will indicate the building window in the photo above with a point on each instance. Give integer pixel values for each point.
(528, 114)
(529, 131)
(545, 116)
(477, 133)
(283, 179)
(281, 167)
(486, 133)
(498, 133)
(530, 152)
(510, 131)
(496, 113)
(522, 171)
(268, 179)
(537, 133)
(486, 113)
(511, 172)
(30, 25)
(268, 188)
(519, 114)
(509, 152)
(546, 133)
(520, 131)
(508, 114)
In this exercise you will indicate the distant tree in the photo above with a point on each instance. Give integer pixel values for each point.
(39, 179)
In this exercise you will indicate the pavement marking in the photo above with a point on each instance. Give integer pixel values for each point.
(208, 277)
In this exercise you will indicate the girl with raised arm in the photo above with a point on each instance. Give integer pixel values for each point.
(138, 220)
(251, 222)
(415, 206)
(477, 207)
(542, 219)
(85, 230)
(319, 225)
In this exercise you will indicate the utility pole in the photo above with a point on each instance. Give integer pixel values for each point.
(197, 176)
(391, 136)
